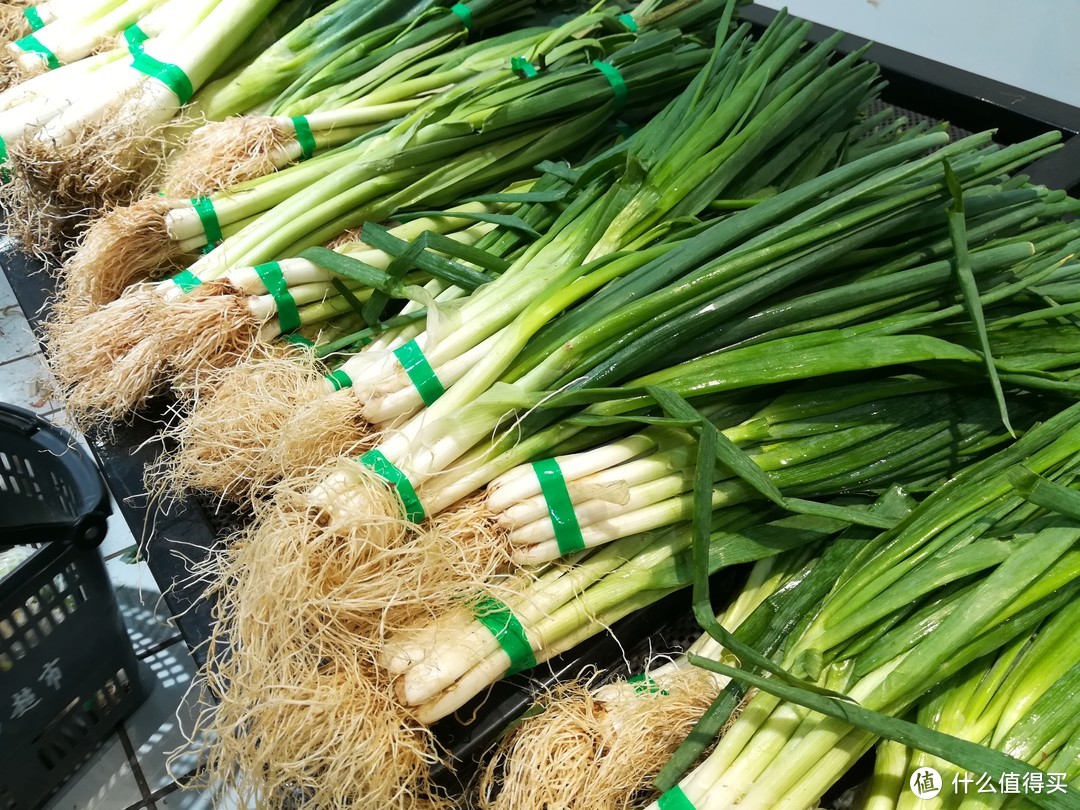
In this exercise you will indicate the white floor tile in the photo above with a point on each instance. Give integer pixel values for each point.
(16, 337)
(147, 618)
(28, 384)
(159, 726)
(7, 297)
(131, 575)
(119, 536)
(104, 783)
(203, 800)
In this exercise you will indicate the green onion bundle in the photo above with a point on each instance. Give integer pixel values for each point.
(608, 740)
(403, 65)
(473, 336)
(1018, 700)
(604, 735)
(977, 567)
(453, 433)
(94, 140)
(647, 480)
(211, 458)
(229, 161)
(676, 165)
(442, 667)
(471, 139)
(71, 37)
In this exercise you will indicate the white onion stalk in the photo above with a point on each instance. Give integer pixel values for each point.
(39, 100)
(610, 740)
(197, 43)
(566, 603)
(258, 196)
(76, 36)
(55, 9)
(312, 287)
(304, 271)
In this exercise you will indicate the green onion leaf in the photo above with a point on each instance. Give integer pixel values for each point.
(970, 756)
(968, 288)
(509, 221)
(354, 302)
(1044, 493)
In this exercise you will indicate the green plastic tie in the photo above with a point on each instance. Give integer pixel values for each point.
(675, 799)
(340, 379)
(464, 13)
(506, 628)
(560, 506)
(32, 44)
(523, 67)
(618, 83)
(629, 21)
(305, 137)
(186, 281)
(33, 16)
(274, 279)
(5, 176)
(172, 76)
(420, 372)
(204, 207)
(382, 467)
(135, 38)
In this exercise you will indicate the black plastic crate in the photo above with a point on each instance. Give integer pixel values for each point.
(68, 671)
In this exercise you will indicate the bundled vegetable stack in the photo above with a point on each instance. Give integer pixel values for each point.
(505, 332)
(457, 143)
(971, 591)
(563, 549)
(86, 118)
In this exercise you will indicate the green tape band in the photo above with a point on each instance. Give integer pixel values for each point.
(204, 207)
(33, 16)
(675, 799)
(618, 83)
(624, 129)
(172, 76)
(560, 506)
(32, 44)
(523, 67)
(5, 176)
(339, 379)
(382, 467)
(420, 372)
(186, 280)
(305, 137)
(642, 683)
(298, 340)
(274, 279)
(506, 628)
(135, 38)
(629, 21)
(464, 13)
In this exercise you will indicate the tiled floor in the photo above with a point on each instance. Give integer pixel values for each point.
(130, 770)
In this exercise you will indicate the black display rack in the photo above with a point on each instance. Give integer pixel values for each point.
(918, 88)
